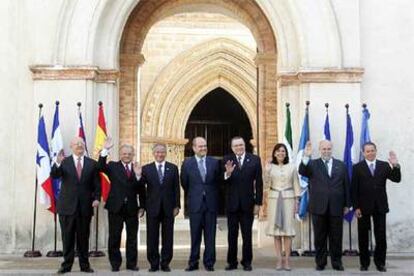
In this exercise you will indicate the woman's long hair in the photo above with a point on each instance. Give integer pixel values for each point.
(277, 147)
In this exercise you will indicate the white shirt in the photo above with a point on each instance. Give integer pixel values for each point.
(157, 164)
(75, 159)
(204, 161)
(374, 162)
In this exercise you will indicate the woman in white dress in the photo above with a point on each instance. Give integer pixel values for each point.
(282, 183)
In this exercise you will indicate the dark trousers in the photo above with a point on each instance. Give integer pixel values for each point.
(327, 227)
(153, 237)
(116, 224)
(75, 226)
(203, 222)
(364, 224)
(245, 220)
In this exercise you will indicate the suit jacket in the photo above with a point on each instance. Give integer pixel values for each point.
(327, 194)
(165, 196)
(194, 186)
(77, 195)
(369, 193)
(245, 185)
(122, 188)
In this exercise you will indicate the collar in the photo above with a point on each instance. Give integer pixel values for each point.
(75, 157)
(243, 156)
(158, 163)
(199, 158)
(330, 161)
(125, 164)
(371, 162)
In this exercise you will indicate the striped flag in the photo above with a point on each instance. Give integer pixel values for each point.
(46, 195)
(100, 137)
(304, 138)
(56, 145)
(365, 137)
(81, 130)
(349, 143)
(326, 128)
(287, 139)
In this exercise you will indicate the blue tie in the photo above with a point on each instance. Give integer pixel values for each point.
(160, 175)
(202, 169)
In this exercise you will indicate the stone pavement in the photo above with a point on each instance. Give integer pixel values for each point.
(264, 264)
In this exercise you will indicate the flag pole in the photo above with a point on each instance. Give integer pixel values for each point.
(309, 252)
(350, 251)
(34, 253)
(96, 252)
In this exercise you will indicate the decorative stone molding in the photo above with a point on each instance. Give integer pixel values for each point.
(327, 75)
(59, 72)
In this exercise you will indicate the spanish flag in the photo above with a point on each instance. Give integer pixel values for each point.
(99, 142)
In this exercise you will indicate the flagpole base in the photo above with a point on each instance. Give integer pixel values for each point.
(350, 253)
(308, 253)
(54, 254)
(294, 253)
(32, 254)
(96, 253)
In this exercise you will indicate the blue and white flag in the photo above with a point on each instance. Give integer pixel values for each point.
(348, 158)
(326, 128)
(365, 137)
(56, 145)
(304, 138)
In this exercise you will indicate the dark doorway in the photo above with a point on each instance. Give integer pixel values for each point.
(218, 117)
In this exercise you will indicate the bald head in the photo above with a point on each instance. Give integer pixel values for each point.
(200, 146)
(325, 149)
(77, 145)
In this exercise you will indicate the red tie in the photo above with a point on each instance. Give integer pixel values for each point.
(79, 168)
(128, 171)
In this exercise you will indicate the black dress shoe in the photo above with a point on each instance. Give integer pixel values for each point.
(133, 268)
(338, 267)
(320, 268)
(247, 268)
(231, 267)
(115, 269)
(153, 269)
(209, 268)
(87, 270)
(381, 268)
(363, 268)
(63, 270)
(191, 268)
(165, 268)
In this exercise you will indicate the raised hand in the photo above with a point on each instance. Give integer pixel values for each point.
(108, 144)
(308, 148)
(137, 169)
(229, 167)
(60, 157)
(393, 158)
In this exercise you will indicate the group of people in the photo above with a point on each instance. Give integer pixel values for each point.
(154, 190)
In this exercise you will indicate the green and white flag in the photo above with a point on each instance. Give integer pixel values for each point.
(287, 140)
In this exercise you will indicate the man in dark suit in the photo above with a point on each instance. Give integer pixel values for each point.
(369, 196)
(80, 192)
(200, 176)
(329, 200)
(162, 181)
(243, 178)
(122, 203)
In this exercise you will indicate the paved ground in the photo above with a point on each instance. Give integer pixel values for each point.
(263, 264)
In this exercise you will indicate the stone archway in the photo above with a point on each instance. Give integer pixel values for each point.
(187, 79)
(263, 87)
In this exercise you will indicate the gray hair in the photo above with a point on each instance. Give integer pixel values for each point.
(157, 145)
(127, 146)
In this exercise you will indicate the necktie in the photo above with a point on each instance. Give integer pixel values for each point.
(128, 171)
(372, 169)
(202, 169)
(160, 174)
(327, 167)
(239, 160)
(79, 168)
